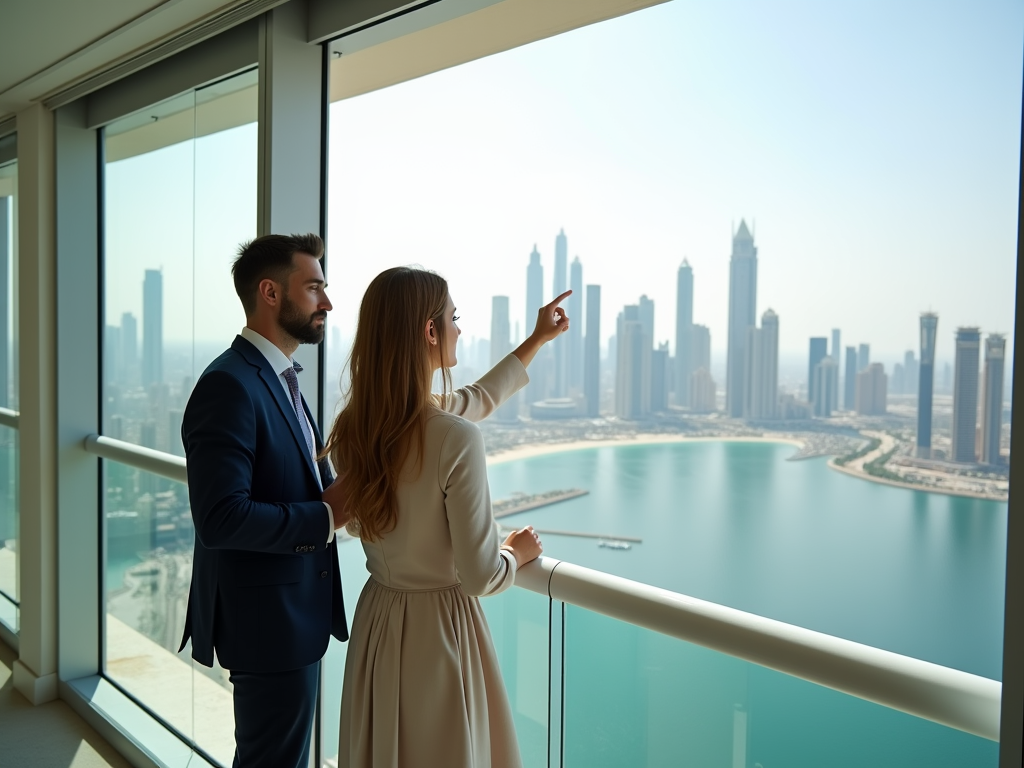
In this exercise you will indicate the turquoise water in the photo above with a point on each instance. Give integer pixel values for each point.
(737, 524)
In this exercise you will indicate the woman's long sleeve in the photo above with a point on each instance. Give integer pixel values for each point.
(483, 567)
(479, 400)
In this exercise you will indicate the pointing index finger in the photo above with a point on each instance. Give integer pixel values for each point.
(564, 295)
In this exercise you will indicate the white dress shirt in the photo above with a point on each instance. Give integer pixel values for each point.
(280, 363)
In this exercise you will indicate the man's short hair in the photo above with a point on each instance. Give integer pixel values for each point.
(269, 257)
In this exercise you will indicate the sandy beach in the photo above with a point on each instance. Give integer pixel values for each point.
(543, 449)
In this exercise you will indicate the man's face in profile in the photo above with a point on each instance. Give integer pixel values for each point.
(304, 303)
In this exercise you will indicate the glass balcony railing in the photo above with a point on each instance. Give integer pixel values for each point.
(9, 591)
(604, 671)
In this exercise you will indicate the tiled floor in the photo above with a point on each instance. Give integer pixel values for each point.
(47, 736)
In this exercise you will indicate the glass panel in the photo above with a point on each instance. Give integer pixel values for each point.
(9, 593)
(521, 629)
(635, 697)
(148, 533)
(9, 576)
(180, 197)
(647, 165)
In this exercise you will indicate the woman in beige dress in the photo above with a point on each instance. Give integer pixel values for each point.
(422, 685)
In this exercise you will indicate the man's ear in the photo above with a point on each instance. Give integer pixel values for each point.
(429, 334)
(270, 292)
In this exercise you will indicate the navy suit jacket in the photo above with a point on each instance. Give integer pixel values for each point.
(266, 587)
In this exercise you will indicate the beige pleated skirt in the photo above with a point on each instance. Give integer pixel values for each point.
(422, 684)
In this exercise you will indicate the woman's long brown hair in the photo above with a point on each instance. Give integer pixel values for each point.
(388, 395)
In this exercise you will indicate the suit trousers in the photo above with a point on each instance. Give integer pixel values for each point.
(274, 714)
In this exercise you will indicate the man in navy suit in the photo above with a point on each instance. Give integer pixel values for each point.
(266, 589)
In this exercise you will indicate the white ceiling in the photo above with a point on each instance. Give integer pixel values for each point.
(48, 45)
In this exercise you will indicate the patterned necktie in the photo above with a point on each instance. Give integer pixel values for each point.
(293, 387)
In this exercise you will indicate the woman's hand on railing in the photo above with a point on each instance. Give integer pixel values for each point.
(525, 545)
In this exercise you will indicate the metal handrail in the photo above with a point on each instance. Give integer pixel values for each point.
(147, 459)
(947, 696)
(9, 418)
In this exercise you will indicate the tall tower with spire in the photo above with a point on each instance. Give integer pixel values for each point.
(684, 333)
(925, 383)
(742, 316)
(534, 301)
(559, 345)
(574, 307)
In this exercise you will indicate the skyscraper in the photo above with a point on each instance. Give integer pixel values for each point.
(592, 352)
(850, 382)
(659, 378)
(633, 366)
(872, 390)
(992, 399)
(700, 352)
(646, 312)
(153, 328)
(560, 344)
(575, 310)
(863, 357)
(535, 390)
(762, 391)
(910, 371)
(742, 315)
(925, 385)
(965, 395)
(835, 346)
(818, 351)
(702, 391)
(684, 333)
(129, 361)
(826, 387)
(501, 345)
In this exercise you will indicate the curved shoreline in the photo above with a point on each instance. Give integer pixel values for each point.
(544, 449)
(911, 486)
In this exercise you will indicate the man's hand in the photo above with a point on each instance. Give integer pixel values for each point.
(337, 497)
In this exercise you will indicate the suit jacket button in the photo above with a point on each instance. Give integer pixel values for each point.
(298, 549)
(323, 574)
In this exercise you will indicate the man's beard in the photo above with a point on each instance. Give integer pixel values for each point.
(301, 327)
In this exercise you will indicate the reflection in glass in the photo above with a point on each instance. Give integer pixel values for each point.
(180, 196)
(635, 697)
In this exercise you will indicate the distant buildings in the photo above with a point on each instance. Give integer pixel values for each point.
(702, 391)
(850, 380)
(965, 394)
(534, 301)
(863, 357)
(574, 308)
(501, 345)
(871, 391)
(684, 360)
(592, 353)
(818, 352)
(700, 351)
(835, 346)
(992, 399)
(925, 386)
(742, 316)
(153, 328)
(826, 388)
(560, 345)
(632, 366)
(762, 368)
(660, 377)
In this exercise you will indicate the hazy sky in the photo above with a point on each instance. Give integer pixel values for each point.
(872, 146)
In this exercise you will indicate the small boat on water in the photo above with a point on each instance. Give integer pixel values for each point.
(613, 544)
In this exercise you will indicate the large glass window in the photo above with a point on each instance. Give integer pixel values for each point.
(762, 211)
(9, 592)
(179, 197)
